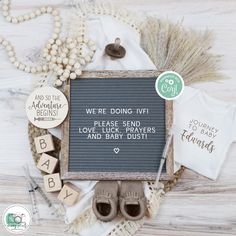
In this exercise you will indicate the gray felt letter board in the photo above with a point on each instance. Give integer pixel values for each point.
(116, 128)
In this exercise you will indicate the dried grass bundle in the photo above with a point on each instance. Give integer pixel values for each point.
(172, 47)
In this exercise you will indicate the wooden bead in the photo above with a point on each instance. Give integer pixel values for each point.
(71, 45)
(65, 50)
(58, 83)
(17, 63)
(63, 78)
(53, 59)
(33, 70)
(85, 40)
(21, 66)
(82, 61)
(20, 18)
(51, 41)
(9, 48)
(71, 62)
(91, 43)
(52, 65)
(72, 75)
(73, 56)
(57, 30)
(55, 13)
(65, 61)
(58, 42)
(27, 69)
(76, 65)
(57, 18)
(9, 18)
(78, 72)
(43, 9)
(69, 67)
(69, 40)
(32, 15)
(87, 58)
(49, 9)
(5, 43)
(5, 8)
(45, 68)
(39, 68)
(57, 24)
(66, 74)
(48, 57)
(55, 36)
(63, 55)
(79, 39)
(48, 46)
(60, 71)
(53, 52)
(93, 48)
(26, 17)
(38, 12)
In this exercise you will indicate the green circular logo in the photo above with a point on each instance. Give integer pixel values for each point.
(169, 85)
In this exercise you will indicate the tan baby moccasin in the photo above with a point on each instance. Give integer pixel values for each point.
(132, 200)
(105, 200)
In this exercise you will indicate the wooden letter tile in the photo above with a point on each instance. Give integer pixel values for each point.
(44, 143)
(47, 163)
(68, 195)
(52, 183)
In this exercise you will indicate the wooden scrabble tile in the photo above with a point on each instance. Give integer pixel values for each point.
(47, 163)
(44, 143)
(52, 183)
(68, 195)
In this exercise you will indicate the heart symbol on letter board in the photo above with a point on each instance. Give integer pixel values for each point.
(116, 150)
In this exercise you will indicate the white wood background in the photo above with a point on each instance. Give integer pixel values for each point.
(197, 206)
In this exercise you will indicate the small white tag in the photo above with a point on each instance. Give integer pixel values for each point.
(46, 107)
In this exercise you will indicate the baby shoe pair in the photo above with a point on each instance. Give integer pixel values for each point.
(130, 198)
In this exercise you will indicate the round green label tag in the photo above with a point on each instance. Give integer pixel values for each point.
(169, 85)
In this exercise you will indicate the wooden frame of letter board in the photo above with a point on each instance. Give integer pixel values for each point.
(64, 162)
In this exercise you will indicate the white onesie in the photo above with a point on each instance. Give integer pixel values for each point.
(204, 128)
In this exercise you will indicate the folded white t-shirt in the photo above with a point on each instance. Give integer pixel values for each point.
(204, 129)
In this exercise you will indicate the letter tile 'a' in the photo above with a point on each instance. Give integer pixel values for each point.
(47, 163)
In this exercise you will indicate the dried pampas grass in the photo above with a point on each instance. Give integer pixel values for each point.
(171, 47)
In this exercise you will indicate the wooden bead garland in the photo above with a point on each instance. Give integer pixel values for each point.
(67, 57)
(26, 17)
(108, 9)
(64, 57)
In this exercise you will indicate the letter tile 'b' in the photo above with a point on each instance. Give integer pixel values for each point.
(52, 183)
(44, 143)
